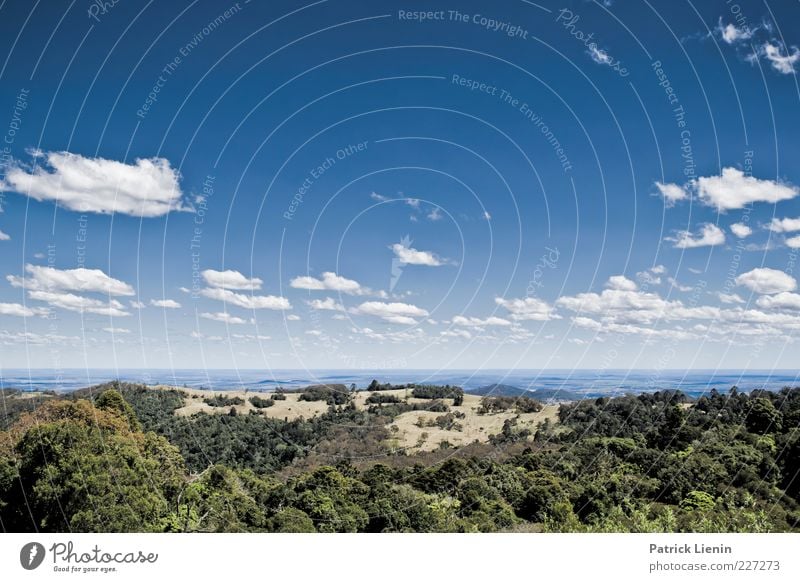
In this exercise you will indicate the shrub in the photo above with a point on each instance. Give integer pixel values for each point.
(259, 402)
(221, 400)
(382, 399)
(438, 392)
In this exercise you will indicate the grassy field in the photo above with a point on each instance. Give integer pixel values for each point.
(410, 430)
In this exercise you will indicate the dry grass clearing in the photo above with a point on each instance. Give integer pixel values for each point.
(405, 429)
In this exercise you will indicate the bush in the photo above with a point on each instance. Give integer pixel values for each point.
(382, 399)
(332, 395)
(278, 396)
(438, 392)
(220, 400)
(522, 404)
(259, 402)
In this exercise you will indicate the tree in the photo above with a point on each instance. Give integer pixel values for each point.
(112, 401)
(762, 417)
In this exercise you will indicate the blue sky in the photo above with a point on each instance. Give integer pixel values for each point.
(361, 185)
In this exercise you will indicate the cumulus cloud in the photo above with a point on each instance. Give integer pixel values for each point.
(741, 230)
(329, 282)
(402, 313)
(82, 280)
(231, 280)
(784, 224)
(462, 333)
(782, 300)
(733, 190)
(116, 330)
(328, 304)
(165, 303)
(4, 236)
(224, 317)
(710, 235)
(410, 256)
(59, 289)
(671, 193)
(527, 309)
(478, 322)
(20, 310)
(633, 307)
(293, 317)
(621, 283)
(145, 188)
(79, 303)
(246, 301)
(766, 281)
(793, 242)
(730, 298)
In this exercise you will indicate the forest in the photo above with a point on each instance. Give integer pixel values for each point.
(115, 458)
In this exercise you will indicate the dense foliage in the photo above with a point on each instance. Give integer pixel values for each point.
(116, 458)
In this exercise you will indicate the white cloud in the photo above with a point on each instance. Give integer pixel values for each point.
(411, 256)
(54, 287)
(478, 322)
(528, 309)
(674, 284)
(710, 235)
(413, 202)
(247, 301)
(766, 281)
(730, 298)
(293, 317)
(598, 55)
(19, 310)
(146, 188)
(116, 330)
(137, 304)
(782, 300)
(733, 190)
(7, 337)
(658, 270)
(329, 282)
(731, 34)
(625, 307)
(250, 337)
(463, 333)
(224, 318)
(621, 283)
(671, 193)
(486, 215)
(435, 214)
(328, 304)
(82, 280)
(793, 242)
(78, 303)
(782, 59)
(231, 280)
(165, 303)
(379, 197)
(741, 230)
(784, 224)
(402, 313)
(4, 236)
